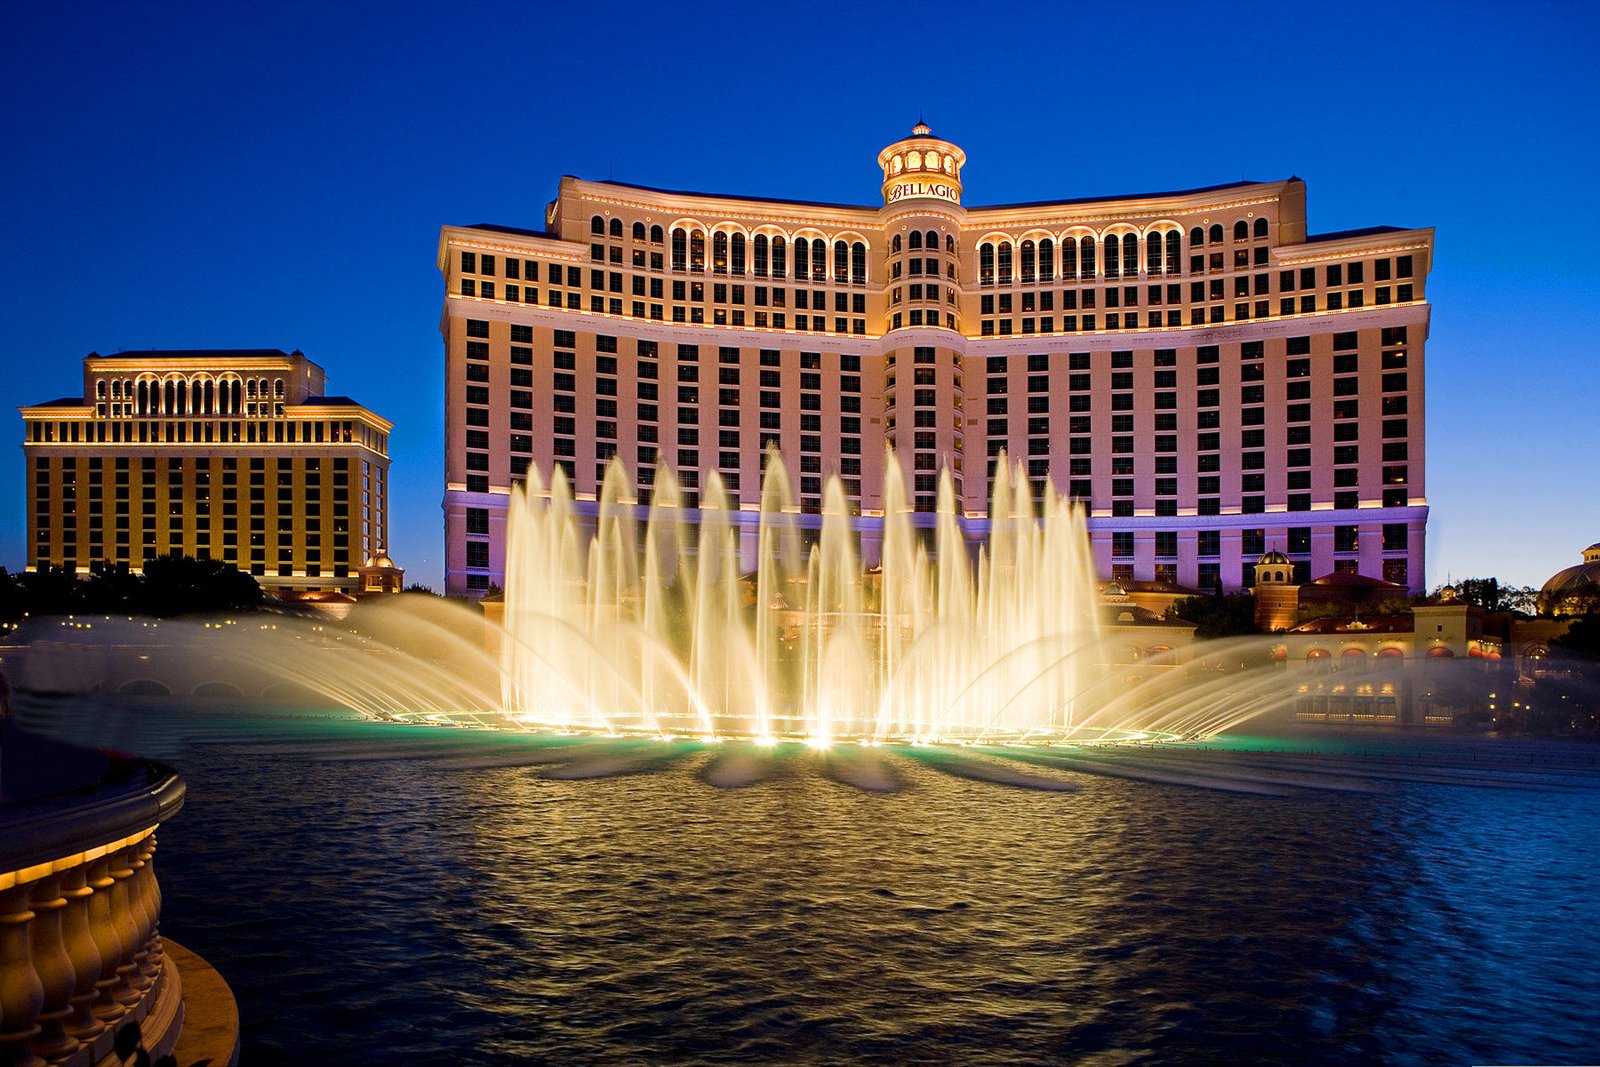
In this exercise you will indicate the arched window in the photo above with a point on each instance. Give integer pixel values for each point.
(169, 398)
(1069, 258)
(858, 263)
(1113, 266)
(1215, 236)
(780, 258)
(931, 241)
(758, 254)
(597, 225)
(277, 388)
(1152, 253)
(894, 244)
(1197, 237)
(1261, 226)
(915, 241)
(655, 235)
(1241, 230)
(737, 266)
(841, 261)
(1130, 254)
(1174, 251)
(1086, 258)
(1005, 263)
(680, 249)
(250, 388)
(616, 227)
(950, 243)
(100, 388)
(697, 252)
(819, 259)
(986, 264)
(802, 258)
(719, 252)
(1047, 259)
(638, 231)
(1027, 257)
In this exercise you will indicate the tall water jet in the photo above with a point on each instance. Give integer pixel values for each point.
(665, 634)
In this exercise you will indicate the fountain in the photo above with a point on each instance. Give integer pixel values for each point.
(672, 637)
(763, 625)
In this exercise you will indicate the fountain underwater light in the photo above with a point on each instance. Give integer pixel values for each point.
(720, 625)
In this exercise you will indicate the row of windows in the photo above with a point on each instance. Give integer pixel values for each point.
(769, 256)
(1253, 542)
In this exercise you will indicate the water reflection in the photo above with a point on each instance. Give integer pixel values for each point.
(457, 905)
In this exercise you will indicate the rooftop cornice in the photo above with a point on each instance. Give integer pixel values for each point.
(129, 363)
(470, 237)
(1392, 242)
(319, 411)
(1115, 209)
(676, 204)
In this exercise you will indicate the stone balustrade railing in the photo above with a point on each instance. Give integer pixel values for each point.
(81, 955)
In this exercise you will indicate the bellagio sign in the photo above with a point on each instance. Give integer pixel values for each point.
(932, 190)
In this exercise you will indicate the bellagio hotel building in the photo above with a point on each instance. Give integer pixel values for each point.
(1207, 378)
(234, 455)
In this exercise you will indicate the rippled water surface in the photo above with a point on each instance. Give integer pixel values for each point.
(385, 894)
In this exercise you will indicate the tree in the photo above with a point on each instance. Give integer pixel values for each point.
(181, 585)
(13, 598)
(1490, 595)
(51, 590)
(111, 589)
(1582, 638)
(1217, 616)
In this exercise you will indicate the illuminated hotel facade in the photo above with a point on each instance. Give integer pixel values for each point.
(1206, 377)
(235, 455)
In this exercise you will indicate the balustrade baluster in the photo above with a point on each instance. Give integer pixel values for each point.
(154, 953)
(106, 938)
(53, 965)
(85, 954)
(129, 934)
(21, 992)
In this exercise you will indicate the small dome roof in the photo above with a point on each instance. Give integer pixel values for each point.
(381, 559)
(1569, 589)
(921, 129)
(1274, 558)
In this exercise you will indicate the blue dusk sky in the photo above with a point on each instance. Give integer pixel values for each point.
(275, 175)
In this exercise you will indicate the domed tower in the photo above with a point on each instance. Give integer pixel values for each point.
(922, 167)
(922, 216)
(921, 219)
(1277, 595)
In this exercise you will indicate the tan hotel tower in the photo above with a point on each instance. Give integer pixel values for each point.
(234, 455)
(1209, 379)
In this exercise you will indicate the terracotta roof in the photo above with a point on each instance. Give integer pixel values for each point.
(1159, 587)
